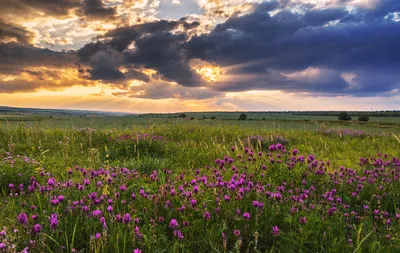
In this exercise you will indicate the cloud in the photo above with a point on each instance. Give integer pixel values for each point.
(333, 39)
(155, 46)
(9, 31)
(324, 48)
(30, 8)
(158, 89)
(96, 9)
(15, 57)
(31, 79)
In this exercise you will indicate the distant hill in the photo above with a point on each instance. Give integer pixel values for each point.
(57, 112)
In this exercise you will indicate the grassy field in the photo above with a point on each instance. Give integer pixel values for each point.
(161, 184)
(273, 121)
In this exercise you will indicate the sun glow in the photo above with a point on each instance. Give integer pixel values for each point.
(209, 73)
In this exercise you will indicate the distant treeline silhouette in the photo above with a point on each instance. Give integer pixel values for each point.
(351, 113)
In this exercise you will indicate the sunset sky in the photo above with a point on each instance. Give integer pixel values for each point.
(200, 55)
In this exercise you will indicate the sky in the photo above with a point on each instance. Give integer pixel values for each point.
(142, 56)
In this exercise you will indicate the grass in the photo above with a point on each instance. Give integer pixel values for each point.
(71, 150)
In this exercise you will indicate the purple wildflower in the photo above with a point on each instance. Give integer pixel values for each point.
(127, 218)
(173, 224)
(275, 230)
(22, 218)
(36, 228)
(53, 221)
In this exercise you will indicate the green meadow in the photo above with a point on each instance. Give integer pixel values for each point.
(160, 183)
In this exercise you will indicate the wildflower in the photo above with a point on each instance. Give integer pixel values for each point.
(53, 221)
(303, 220)
(137, 251)
(127, 218)
(178, 234)
(97, 236)
(207, 215)
(275, 230)
(51, 181)
(236, 233)
(97, 213)
(246, 216)
(173, 224)
(133, 196)
(110, 209)
(2, 246)
(123, 188)
(54, 202)
(36, 228)
(182, 208)
(118, 218)
(23, 218)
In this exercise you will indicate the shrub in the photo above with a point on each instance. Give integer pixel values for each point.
(363, 118)
(344, 116)
(242, 116)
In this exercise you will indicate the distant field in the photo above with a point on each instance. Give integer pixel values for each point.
(284, 121)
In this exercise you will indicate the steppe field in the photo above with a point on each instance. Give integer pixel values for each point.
(199, 182)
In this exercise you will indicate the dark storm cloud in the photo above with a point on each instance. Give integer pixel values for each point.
(91, 9)
(155, 47)
(29, 8)
(364, 43)
(95, 9)
(122, 37)
(104, 63)
(162, 51)
(15, 57)
(13, 31)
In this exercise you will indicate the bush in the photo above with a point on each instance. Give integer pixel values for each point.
(243, 116)
(344, 116)
(363, 118)
(182, 115)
